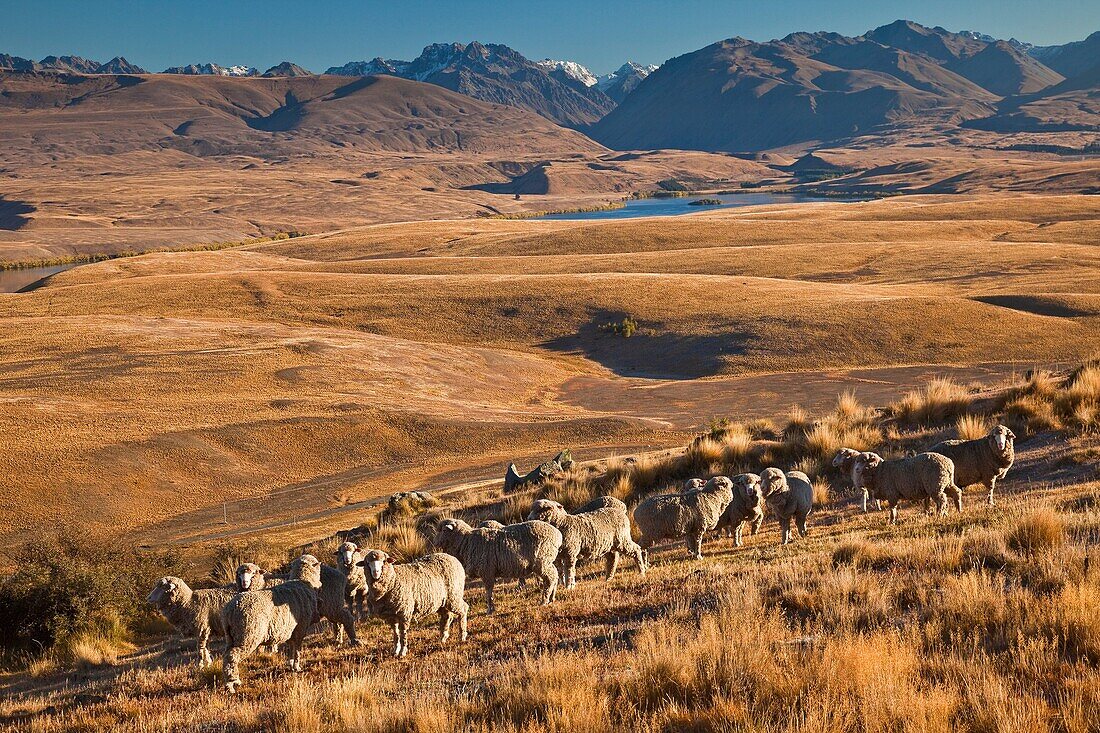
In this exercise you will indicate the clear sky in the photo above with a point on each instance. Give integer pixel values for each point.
(601, 34)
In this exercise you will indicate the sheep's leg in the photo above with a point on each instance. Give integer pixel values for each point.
(231, 667)
(801, 524)
(695, 545)
(397, 639)
(941, 504)
(757, 523)
(639, 559)
(294, 655)
(571, 573)
(785, 530)
(446, 618)
(737, 541)
(205, 660)
(992, 483)
(955, 493)
(893, 518)
(866, 496)
(611, 563)
(403, 630)
(548, 575)
(463, 612)
(337, 631)
(489, 583)
(347, 621)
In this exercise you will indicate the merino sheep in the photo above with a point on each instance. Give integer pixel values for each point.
(980, 461)
(332, 602)
(790, 496)
(251, 576)
(193, 613)
(688, 514)
(924, 477)
(400, 594)
(348, 556)
(747, 505)
(512, 551)
(601, 502)
(589, 535)
(845, 460)
(279, 615)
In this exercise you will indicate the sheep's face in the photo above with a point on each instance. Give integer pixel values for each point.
(166, 590)
(1002, 438)
(247, 575)
(747, 485)
(844, 455)
(375, 562)
(447, 530)
(865, 463)
(772, 481)
(308, 569)
(693, 484)
(544, 508)
(345, 555)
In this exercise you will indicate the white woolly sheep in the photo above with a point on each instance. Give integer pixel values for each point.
(980, 461)
(193, 613)
(348, 556)
(400, 594)
(332, 602)
(589, 535)
(689, 514)
(747, 505)
(790, 496)
(251, 576)
(512, 551)
(601, 502)
(924, 477)
(279, 615)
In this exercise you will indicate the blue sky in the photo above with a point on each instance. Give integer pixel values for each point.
(599, 34)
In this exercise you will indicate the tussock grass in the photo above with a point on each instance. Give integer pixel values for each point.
(938, 402)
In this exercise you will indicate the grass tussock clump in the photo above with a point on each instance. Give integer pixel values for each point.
(937, 403)
(1048, 402)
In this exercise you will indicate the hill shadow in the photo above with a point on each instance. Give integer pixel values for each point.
(13, 214)
(650, 352)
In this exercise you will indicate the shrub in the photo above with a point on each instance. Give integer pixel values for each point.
(626, 328)
(936, 403)
(1038, 530)
(68, 593)
(972, 427)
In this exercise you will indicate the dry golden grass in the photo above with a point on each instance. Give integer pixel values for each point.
(938, 402)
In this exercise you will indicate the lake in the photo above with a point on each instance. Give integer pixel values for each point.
(12, 281)
(682, 205)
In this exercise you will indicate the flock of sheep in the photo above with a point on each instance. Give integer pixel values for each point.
(277, 610)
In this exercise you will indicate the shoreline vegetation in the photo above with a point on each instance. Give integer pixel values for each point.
(609, 206)
(88, 259)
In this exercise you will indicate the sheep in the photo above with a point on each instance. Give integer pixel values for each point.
(279, 615)
(251, 576)
(790, 496)
(589, 535)
(925, 476)
(747, 505)
(980, 461)
(845, 460)
(688, 514)
(193, 613)
(601, 502)
(513, 551)
(403, 593)
(332, 602)
(348, 556)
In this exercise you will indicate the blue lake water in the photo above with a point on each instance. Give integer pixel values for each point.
(683, 205)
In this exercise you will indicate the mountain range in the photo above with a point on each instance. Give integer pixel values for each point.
(739, 95)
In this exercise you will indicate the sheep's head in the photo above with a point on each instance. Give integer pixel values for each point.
(747, 485)
(307, 568)
(490, 524)
(693, 484)
(1002, 438)
(544, 508)
(843, 456)
(864, 466)
(168, 589)
(249, 575)
(448, 530)
(375, 561)
(345, 555)
(772, 481)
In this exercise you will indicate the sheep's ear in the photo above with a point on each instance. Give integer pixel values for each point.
(1011, 435)
(388, 560)
(362, 563)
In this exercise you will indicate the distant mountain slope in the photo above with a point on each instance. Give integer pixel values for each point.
(1072, 105)
(287, 69)
(209, 69)
(70, 65)
(1071, 59)
(740, 95)
(737, 95)
(209, 115)
(499, 74)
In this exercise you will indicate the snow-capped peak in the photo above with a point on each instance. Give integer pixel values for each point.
(571, 69)
(986, 38)
(630, 68)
